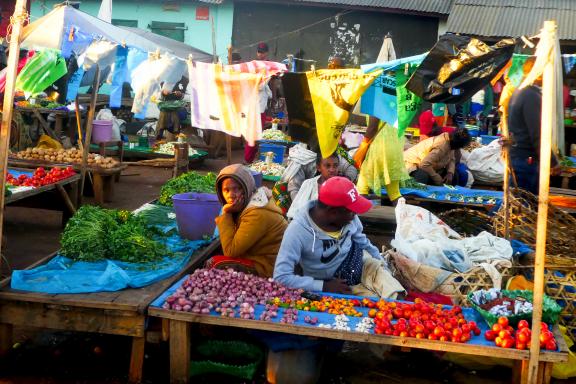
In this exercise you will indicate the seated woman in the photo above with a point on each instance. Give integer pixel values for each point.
(432, 161)
(251, 226)
(327, 168)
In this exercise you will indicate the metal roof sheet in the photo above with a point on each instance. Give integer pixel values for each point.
(509, 21)
(424, 6)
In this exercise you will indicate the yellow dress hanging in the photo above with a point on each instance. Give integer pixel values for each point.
(334, 93)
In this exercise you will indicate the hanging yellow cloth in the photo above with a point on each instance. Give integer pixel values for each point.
(334, 93)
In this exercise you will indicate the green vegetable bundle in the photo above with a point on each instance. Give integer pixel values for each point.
(188, 182)
(94, 234)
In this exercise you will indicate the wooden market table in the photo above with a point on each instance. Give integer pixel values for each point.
(60, 115)
(102, 178)
(59, 196)
(117, 313)
(180, 336)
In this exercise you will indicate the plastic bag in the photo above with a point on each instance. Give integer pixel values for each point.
(40, 72)
(486, 163)
(568, 369)
(457, 67)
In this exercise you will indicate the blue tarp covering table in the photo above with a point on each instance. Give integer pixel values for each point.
(477, 345)
(454, 195)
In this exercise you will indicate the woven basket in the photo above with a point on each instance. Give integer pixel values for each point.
(455, 285)
(560, 263)
(467, 222)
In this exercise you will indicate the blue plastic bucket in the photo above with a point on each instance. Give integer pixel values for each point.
(257, 178)
(278, 150)
(195, 214)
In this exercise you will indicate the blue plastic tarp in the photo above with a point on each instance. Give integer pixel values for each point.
(326, 318)
(63, 275)
(455, 194)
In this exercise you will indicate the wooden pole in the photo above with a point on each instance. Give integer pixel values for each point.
(90, 120)
(506, 186)
(8, 106)
(548, 120)
(78, 123)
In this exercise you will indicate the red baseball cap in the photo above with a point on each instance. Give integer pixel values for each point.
(340, 192)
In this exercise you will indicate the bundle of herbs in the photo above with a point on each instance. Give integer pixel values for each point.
(95, 234)
(188, 182)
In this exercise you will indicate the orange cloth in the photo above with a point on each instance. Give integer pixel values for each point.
(361, 152)
(519, 282)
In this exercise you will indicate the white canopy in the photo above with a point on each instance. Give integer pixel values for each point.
(49, 32)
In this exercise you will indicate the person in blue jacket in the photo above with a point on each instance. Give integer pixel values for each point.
(325, 240)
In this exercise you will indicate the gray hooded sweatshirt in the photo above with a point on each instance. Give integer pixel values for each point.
(318, 254)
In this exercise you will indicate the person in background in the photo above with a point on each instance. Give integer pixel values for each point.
(432, 161)
(524, 114)
(262, 51)
(325, 241)
(172, 110)
(327, 168)
(235, 58)
(336, 63)
(251, 226)
(428, 126)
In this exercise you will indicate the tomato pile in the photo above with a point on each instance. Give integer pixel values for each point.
(422, 320)
(40, 177)
(505, 336)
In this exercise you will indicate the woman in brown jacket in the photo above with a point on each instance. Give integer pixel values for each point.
(251, 226)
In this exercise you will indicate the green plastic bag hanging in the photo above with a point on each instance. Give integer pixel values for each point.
(408, 104)
(45, 68)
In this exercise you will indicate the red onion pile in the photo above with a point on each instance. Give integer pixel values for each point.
(231, 294)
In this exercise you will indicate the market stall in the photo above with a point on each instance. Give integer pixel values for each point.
(261, 310)
(58, 192)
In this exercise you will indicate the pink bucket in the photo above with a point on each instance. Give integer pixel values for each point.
(101, 131)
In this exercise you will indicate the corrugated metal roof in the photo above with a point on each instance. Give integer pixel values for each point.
(549, 4)
(425, 6)
(509, 21)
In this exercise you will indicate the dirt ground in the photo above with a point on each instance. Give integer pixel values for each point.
(41, 356)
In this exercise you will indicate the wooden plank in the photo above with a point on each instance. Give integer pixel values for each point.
(479, 350)
(136, 360)
(72, 318)
(66, 199)
(179, 351)
(379, 214)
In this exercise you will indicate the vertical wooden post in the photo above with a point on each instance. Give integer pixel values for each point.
(180, 159)
(549, 118)
(8, 106)
(90, 120)
(506, 186)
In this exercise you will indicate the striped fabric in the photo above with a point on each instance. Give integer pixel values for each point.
(269, 68)
(225, 101)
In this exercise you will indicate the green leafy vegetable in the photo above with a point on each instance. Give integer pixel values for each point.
(188, 182)
(94, 234)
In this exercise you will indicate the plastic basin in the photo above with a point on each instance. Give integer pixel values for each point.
(195, 214)
(101, 131)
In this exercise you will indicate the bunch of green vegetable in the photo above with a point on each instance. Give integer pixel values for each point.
(94, 234)
(188, 182)
(566, 162)
(413, 184)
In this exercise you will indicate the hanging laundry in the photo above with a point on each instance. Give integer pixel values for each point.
(40, 72)
(118, 77)
(225, 101)
(408, 103)
(148, 76)
(267, 68)
(21, 65)
(301, 120)
(334, 93)
(379, 100)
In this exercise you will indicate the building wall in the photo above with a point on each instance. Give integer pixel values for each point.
(198, 34)
(255, 21)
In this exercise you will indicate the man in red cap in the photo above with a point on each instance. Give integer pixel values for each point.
(325, 240)
(262, 51)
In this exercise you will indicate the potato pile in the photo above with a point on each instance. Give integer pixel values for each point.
(72, 155)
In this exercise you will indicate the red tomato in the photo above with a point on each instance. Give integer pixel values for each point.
(432, 337)
(420, 336)
(498, 340)
(438, 331)
(503, 321)
(466, 328)
(372, 313)
(520, 345)
(403, 334)
(401, 326)
(477, 331)
(508, 343)
(419, 328)
(543, 326)
(523, 324)
(444, 338)
(465, 337)
(496, 327)
(457, 332)
(504, 334)
(546, 336)
(551, 345)
(523, 337)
